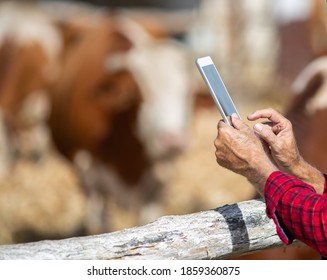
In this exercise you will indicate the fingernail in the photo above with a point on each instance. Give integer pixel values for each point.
(234, 115)
(258, 127)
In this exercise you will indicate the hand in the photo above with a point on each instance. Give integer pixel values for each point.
(278, 134)
(240, 150)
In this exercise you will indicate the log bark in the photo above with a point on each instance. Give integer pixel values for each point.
(220, 233)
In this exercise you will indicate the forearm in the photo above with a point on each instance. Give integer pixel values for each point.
(308, 174)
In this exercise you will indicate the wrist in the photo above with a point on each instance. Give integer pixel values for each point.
(297, 167)
(259, 175)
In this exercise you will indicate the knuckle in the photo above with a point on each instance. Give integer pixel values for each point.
(265, 132)
(289, 124)
(226, 129)
(217, 143)
(271, 110)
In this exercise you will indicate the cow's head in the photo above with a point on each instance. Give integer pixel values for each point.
(87, 95)
(30, 45)
(161, 71)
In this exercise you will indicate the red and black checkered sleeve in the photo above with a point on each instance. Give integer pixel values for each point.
(298, 211)
(325, 187)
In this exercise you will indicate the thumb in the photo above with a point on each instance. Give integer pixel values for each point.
(237, 123)
(265, 132)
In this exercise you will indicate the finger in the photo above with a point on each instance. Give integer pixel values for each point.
(220, 124)
(265, 132)
(225, 130)
(269, 113)
(237, 123)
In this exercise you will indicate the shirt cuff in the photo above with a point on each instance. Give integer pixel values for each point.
(325, 187)
(278, 183)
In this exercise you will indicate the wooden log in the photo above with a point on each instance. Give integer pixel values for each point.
(221, 233)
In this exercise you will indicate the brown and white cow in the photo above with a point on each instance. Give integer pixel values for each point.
(119, 99)
(121, 103)
(33, 201)
(308, 112)
(30, 47)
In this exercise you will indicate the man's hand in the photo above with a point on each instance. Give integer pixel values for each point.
(240, 150)
(278, 134)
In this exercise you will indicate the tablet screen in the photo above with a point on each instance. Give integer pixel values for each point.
(219, 89)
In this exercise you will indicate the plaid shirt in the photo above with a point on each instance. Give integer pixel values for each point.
(298, 211)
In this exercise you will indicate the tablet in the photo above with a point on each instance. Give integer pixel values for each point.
(217, 88)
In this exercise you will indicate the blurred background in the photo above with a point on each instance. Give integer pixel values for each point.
(106, 124)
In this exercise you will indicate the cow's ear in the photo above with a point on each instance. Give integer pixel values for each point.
(71, 33)
(308, 87)
(303, 93)
(314, 84)
(120, 42)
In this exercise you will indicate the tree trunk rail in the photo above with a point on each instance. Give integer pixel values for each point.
(221, 233)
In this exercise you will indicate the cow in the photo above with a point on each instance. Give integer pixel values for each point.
(307, 112)
(33, 203)
(103, 93)
(121, 104)
(30, 47)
